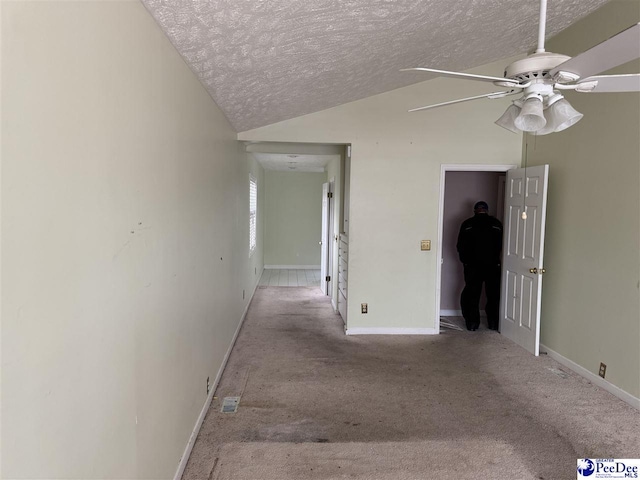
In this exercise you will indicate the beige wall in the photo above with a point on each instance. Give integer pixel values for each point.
(395, 177)
(124, 242)
(293, 217)
(590, 303)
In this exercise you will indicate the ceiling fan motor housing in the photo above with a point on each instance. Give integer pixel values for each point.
(535, 66)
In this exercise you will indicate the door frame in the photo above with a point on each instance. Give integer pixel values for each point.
(444, 168)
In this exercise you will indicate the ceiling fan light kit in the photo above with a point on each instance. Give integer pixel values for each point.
(508, 119)
(564, 115)
(540, 77)
(539, 114)
(531, 117)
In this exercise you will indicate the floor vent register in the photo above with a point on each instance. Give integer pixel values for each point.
(230, 404)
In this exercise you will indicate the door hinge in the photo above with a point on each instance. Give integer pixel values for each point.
(327, 278)
(330, 195)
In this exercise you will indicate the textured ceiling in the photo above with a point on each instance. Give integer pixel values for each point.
(264, 61)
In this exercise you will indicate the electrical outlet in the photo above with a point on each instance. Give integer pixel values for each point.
(603, 370)
(208, 386)
(365, 308)
(425, 245)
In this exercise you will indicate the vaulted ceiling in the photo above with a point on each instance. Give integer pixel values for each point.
(264, 61)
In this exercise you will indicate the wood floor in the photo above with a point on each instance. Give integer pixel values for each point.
(290, 278)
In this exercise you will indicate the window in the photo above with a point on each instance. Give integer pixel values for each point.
(253, 209)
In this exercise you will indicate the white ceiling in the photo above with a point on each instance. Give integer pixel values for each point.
(294, 162)
(264, 61)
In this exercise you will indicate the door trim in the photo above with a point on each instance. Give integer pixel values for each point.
(444, 168)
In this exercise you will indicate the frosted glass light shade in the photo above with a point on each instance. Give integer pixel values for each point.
(531, 117)
(564, 115)
(547, 129)
(552, 122)
(508, 118)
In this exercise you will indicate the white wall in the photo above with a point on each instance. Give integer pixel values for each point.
(462, 191)
(591, 291)
(124, 242)
(395, 169)
(293, 217)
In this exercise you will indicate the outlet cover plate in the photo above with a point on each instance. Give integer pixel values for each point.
(603, 370)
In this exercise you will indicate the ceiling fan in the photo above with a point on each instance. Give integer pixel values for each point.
(542, 76)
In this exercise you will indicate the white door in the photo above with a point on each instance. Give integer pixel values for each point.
(523, 249)
(324, 241)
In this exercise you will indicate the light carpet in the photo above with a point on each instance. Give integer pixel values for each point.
(318, 404)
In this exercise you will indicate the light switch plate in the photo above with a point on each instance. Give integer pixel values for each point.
(425, 245)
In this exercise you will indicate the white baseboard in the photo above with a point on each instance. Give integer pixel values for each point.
(292, 267)
(390, 331)
(593, 378)
(194, 434)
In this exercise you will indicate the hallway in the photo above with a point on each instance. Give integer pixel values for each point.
(316, 404)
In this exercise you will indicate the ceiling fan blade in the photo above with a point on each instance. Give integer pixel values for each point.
(460, 100)
(610, 83)
(619, 49)
(467, 76)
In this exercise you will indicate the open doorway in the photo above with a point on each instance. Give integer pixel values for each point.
(461, 186)
(302, 213)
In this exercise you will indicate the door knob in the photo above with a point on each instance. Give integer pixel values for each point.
(319, 243)
(535, 270)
